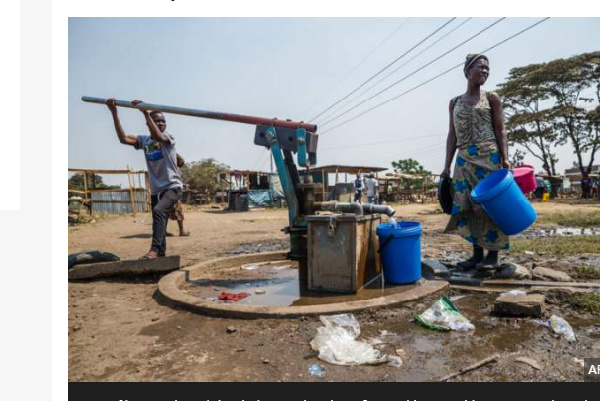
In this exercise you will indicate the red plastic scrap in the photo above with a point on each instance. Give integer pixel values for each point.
(229, 296)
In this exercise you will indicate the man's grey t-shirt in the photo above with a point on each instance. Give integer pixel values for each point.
(161, 160)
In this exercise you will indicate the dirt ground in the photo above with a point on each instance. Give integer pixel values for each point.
(120, 329)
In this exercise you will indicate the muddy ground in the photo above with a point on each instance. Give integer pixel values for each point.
(120, 329)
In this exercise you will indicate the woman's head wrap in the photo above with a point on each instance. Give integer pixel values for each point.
(471, 59)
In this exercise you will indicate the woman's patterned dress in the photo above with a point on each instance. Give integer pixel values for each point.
(477, 156)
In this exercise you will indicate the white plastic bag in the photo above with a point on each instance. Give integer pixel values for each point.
(337, 344)
(513, 293)
(443, 315)
(562, 327)
(558, 325)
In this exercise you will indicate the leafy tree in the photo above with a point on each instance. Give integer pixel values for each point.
(94, 181)
(409, 166)
(547, 107)
(529, 123)
(203, 175)
(567, 80)
(517, 157)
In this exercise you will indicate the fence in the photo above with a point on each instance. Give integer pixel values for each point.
(135, 199)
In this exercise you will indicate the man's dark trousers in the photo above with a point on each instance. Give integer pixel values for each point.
(162, 204)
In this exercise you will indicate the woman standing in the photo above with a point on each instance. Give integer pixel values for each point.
(477, 131)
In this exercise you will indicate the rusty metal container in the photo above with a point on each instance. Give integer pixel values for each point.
(342, 252)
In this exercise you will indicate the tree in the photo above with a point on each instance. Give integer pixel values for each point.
(203, 175)
(560, 85)
(567, 81)
(529, 124)
(409, 166)
(517, 157)
(94, 181)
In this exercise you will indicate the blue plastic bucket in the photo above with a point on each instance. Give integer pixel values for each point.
(504, 202)
(400, 249)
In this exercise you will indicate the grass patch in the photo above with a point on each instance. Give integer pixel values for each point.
(573, 245)
(589, 303)
(586, 272)
(579, 219)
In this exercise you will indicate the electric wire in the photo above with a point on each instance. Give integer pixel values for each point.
(414, 72)
(384, 68)
(361, 62)
(335, 110)
(434, 77)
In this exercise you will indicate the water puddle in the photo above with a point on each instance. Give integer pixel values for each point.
(278, 285)
(540, 232)
(257, 247)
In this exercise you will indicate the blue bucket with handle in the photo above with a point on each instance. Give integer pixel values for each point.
(504, 202)
(400, 250)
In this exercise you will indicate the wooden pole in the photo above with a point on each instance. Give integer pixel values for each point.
(148, 196)
(139, 177)
(131, 190)
(86, 194)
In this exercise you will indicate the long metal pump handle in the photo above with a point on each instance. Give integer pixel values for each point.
(238, 118)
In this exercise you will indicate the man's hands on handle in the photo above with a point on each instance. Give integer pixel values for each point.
(112, 104)
(123, 138)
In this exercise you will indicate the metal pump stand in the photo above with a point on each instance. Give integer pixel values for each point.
(283, 138)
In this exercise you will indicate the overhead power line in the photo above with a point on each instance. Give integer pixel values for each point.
(384, 68)
(361, 62)
(402, 65)
(414, 72)
(380, 142)
(434, 77)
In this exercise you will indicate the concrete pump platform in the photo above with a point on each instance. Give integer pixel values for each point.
(180, 286)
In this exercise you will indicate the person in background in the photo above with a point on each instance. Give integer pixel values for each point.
(540, 188)
(372, 189)
(548, 186)
(477, 131)
(177, 212)
(165, 182)
(359, 187)
(585, 186)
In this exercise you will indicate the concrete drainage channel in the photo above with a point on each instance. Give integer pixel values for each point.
(175, 287)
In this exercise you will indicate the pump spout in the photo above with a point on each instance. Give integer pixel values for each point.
(355, 207)
(344, 207)
(370, 208)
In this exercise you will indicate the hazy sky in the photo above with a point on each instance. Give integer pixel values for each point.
(282, 67)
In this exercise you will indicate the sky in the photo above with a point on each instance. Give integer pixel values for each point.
(292, 68)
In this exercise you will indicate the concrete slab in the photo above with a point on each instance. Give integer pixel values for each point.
(170, 287)
(124, 267)
(520, 305)
(484, 290)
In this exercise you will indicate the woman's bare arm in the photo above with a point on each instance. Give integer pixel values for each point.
(450, 142)
(499, 128)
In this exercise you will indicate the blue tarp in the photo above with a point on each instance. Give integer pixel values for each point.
(266, 197)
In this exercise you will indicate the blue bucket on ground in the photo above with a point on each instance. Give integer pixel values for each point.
(504, 202)
(400, 249)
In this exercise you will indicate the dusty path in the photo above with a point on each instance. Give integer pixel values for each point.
(121, 330)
